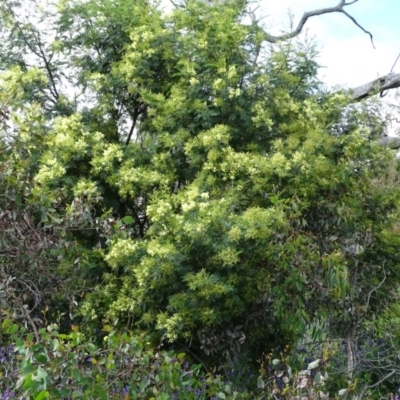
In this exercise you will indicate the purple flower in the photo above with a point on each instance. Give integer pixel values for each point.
(7, 395)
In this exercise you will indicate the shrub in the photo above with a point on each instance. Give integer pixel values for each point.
(69, 366)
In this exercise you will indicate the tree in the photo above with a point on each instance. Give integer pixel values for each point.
(228, 199)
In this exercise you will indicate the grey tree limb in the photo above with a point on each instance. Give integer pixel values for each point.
(391, 142)
(379, 85)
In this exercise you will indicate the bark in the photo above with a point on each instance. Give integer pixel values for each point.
(380, 85)
(391, 142)
(350, 352)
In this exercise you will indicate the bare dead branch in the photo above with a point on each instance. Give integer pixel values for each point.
(360, 26)
(377, 287)
(391, 71)
(328, 10)
(391, 142)
(379, 85)
(30, 320)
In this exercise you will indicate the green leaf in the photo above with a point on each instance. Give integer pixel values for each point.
(20, 381)
(44, 394)
(128, 220)
(18, 199)
(12, 329)
(221, 395)
(29, 369)
(313, 364)
(76, 375)
(54, 344)
(260, 383)
(6, 324)
(40, 358)
(28, 382)
(19, 344)
(41, 374)
(65, 392)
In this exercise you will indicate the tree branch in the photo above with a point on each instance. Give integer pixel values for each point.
(48, 69)
(134, 120)
(391, 142)
(379, 85)
(377, 383)
(140, 109)
(41, 54)
(377, 287)
(328, 10)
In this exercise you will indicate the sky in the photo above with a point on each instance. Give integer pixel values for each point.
(346, 52)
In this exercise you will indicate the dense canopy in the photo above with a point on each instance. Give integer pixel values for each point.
(175, 175)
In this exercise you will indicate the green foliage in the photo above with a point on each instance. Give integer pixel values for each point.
(37, 247)
(171, 173)
(59, 366)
